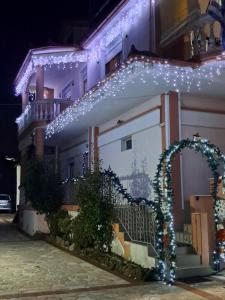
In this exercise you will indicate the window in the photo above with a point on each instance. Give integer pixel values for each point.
(84, 80)
(71, 170)
(113, 64)
(85, 163)
(126, 143)
(66, 93)
(84, 86)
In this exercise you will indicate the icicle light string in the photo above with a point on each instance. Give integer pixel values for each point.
(169, 76)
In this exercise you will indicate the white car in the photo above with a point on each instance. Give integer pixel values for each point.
(5, 202)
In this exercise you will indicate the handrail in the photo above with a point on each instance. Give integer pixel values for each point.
(133, 214)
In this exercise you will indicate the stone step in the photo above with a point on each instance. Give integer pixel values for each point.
(193, 271)
(188, 260)
(182, 250)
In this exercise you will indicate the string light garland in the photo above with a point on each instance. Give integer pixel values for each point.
(49, 60)
(164, 200)
(139, 69)
(118, 27)
(162, 205)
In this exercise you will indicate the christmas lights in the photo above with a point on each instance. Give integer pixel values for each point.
(119, 27)
(48, 60)
(164, 203)
(144, 70)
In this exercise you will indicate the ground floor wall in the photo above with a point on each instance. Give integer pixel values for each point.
(195, 170)
(136, 164)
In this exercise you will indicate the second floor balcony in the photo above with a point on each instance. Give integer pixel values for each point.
(43, 111)
(196, 37)
(49, 81)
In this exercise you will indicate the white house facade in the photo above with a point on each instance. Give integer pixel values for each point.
(112, 99)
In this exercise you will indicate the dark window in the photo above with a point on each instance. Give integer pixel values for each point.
(113, 64)
(71, 170)
(126, 143)
(48, 150)
(84, 86)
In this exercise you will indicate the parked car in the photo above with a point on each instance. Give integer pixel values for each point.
(5, 202)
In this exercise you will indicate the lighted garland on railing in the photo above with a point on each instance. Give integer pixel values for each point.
(166, 243)
(119, 187)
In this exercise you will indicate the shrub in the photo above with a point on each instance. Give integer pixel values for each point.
(61, 224)
(42, 187)
(93, 226)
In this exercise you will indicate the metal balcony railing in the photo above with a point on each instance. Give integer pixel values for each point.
(43, 110)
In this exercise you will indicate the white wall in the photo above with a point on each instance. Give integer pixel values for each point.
(137, 33)
(195, 169)
(72, 153)
(136, 167)
(33, 222)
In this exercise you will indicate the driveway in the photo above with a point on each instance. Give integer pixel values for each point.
(37, 270)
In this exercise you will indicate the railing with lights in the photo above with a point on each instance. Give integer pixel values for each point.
(43, 110)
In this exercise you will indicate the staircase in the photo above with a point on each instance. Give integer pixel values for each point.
(189, 263)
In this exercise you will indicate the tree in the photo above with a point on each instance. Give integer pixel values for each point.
(42, 187)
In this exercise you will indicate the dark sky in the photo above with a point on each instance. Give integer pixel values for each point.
(25, 25)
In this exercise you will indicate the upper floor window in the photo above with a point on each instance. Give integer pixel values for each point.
(126, 143)
(84, 86)
(84, 80)
(71, 170)
(67, 91)
(113, 64)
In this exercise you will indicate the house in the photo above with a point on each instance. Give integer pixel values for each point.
(125, 94)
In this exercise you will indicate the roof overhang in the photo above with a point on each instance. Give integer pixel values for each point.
(46, 56)
(139, 79)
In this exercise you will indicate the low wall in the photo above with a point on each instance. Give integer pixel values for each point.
(131, 251)
(31, 222)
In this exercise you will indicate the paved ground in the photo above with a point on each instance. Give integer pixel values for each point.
(37, 270)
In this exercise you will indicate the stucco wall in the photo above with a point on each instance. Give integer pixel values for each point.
(33, 222)
(196, 172)
(174, 12)
(135, 167)
(137, 253)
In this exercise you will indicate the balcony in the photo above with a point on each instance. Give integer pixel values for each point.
(200, 35)
(205, 37)
(43, 110)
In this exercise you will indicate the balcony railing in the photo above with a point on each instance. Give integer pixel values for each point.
(201, 35)
(43, 110)
(205, 37)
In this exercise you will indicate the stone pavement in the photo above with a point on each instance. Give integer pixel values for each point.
(37, 270)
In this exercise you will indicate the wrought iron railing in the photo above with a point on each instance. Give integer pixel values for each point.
(69, 193)
(136, 216)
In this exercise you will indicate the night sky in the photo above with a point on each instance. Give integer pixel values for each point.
(25, 25)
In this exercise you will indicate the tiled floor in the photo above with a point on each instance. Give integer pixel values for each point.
(37, 270)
